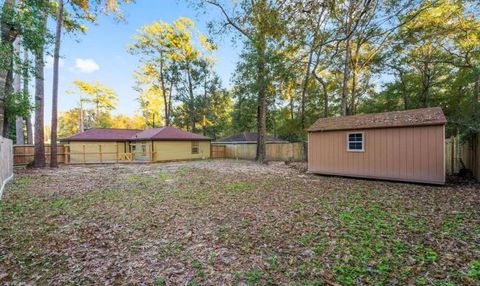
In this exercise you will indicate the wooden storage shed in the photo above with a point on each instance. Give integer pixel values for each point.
(402, 145)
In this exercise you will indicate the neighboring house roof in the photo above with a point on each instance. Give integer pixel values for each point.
(413, 117)
(247, 137)
(167, 133)
(103, 134)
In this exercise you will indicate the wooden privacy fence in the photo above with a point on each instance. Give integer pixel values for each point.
(6, 162)
(462, 156)
(275, 151)
(93, 153)
(217, 151)
(23, 154)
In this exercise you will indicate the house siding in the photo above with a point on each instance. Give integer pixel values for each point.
(412, 154)
(179, 150)
(92, 151)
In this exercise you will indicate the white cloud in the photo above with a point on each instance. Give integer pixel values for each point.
(86, 65)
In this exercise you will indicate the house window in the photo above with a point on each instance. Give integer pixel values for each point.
(195, 147)
(355, 142)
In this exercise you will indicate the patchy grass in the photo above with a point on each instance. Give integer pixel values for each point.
(233, 222)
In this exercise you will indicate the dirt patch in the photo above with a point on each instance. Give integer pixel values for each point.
(228, 222)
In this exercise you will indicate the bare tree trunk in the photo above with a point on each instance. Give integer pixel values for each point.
(8, 90)
(192, 98)
(304, 89)
(291, 106)
(28, 126)
(25, 77)
(325, 97)
(353, 94)
(425, 85)
(325, 92)
(261, 155)
(169, 106)
(81, 124)
(18, 89)
(477, 87)
(404, 93)
(204, 105)
(8, 35)
(56, 56)
(346, 74)
(3, 77)
(164, 93)
(39, 150)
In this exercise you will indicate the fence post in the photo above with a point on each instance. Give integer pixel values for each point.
(67, 155)
(84, 159)
(452, 155)
(100, 152)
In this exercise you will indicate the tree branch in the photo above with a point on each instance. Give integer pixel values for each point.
(229, 20)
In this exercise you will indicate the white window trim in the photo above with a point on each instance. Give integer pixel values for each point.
(363, 142)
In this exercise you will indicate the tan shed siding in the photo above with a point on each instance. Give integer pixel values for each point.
(407, 154)
(92, 151)
(180, 150)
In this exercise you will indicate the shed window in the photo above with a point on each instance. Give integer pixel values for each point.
(195, 147)
(355, 142)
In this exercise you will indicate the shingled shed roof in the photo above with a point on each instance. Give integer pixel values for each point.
(413, 117)
(246, 137)
(103, 134)
(167, 133)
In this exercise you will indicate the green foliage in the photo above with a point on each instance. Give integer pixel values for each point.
(474, 271)
(401, 55)
(18, 104)
(177, 68)
(253, 276)
(159, 281)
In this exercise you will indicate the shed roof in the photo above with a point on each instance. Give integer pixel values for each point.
(413, 117)
(167, 133)
(103, 134)
(245, 137)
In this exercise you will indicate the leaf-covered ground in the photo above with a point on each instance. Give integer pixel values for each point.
(234, 223)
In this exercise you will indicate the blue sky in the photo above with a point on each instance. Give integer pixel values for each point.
(101, 53)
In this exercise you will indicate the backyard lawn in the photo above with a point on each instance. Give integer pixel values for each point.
(223, 222)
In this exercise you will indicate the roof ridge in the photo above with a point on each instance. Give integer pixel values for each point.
(386, 112)
(397, 118)
(111, 128)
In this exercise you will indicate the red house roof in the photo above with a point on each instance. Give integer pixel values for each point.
(113, 134)
(167, 133)
(413, 117)
(103, 134)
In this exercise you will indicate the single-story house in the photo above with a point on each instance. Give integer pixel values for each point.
(111, 143)
(247, 138)
(402, 145)
(169, 143)
(153, 145)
